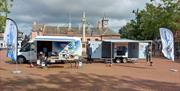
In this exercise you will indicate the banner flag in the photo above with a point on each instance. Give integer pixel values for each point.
(167, 43)
(10, 39)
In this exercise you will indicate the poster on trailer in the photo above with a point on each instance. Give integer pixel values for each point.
(69, 47)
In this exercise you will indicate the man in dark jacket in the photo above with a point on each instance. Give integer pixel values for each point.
(89, 53)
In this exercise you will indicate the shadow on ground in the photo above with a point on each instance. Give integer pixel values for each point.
(3, 69)
(177, 60)
(136, 67)
(66, 81)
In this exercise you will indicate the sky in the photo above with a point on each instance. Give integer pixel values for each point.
(58, 12)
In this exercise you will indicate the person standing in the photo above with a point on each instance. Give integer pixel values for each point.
(89, 53)
(45, 51)
(148, 53)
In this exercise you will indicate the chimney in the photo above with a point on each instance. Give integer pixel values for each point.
(105, 22)
(69, 25)
(34, 23)
(84, 27)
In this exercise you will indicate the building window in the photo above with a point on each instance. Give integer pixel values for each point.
(88, 39)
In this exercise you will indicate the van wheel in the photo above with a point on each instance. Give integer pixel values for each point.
(21, 60)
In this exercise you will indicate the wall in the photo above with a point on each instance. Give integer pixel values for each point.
(34, 34)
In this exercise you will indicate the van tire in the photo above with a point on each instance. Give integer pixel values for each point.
(21, 59)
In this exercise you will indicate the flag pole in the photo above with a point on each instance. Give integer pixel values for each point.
(172, 69)
(164, 32)
(111, 55)
(16, 71)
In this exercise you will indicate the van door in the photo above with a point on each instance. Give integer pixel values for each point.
(32, 53)
(24, 51)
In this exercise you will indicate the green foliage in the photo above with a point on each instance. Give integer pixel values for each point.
(3, 14)
(148, 21)
(2, 23)
(3, 6)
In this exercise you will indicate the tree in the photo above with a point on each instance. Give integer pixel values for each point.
(3, 13)
(148, 21)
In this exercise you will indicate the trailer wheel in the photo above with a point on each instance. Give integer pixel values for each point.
(118, 60)
(21, 59)
(124, 60)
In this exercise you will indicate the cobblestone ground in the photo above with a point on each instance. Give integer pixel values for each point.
(137, 76)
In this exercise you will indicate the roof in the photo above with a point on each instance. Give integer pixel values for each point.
(38, 27)
(125, 40)
(52, 30)
(75, 31)
(109, 32)
(56, 38)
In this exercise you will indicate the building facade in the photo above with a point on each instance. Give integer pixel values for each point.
(90, 33)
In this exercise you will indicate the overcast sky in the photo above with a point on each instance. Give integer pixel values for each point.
(56, 12)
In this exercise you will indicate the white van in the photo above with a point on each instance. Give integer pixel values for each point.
(57, 48)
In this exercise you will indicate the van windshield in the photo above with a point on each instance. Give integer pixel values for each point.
(27, 47)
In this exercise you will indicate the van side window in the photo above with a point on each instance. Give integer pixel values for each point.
(25, 48)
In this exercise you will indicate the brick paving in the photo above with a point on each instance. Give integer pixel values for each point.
(92, 77)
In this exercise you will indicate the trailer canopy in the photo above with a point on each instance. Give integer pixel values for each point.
(129, 48)
(124, 40)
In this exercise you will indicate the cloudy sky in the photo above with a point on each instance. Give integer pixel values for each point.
(57, 12)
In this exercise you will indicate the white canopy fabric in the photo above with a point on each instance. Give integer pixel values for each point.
(55, 38)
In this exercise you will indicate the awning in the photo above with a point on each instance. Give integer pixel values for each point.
(55, 38)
